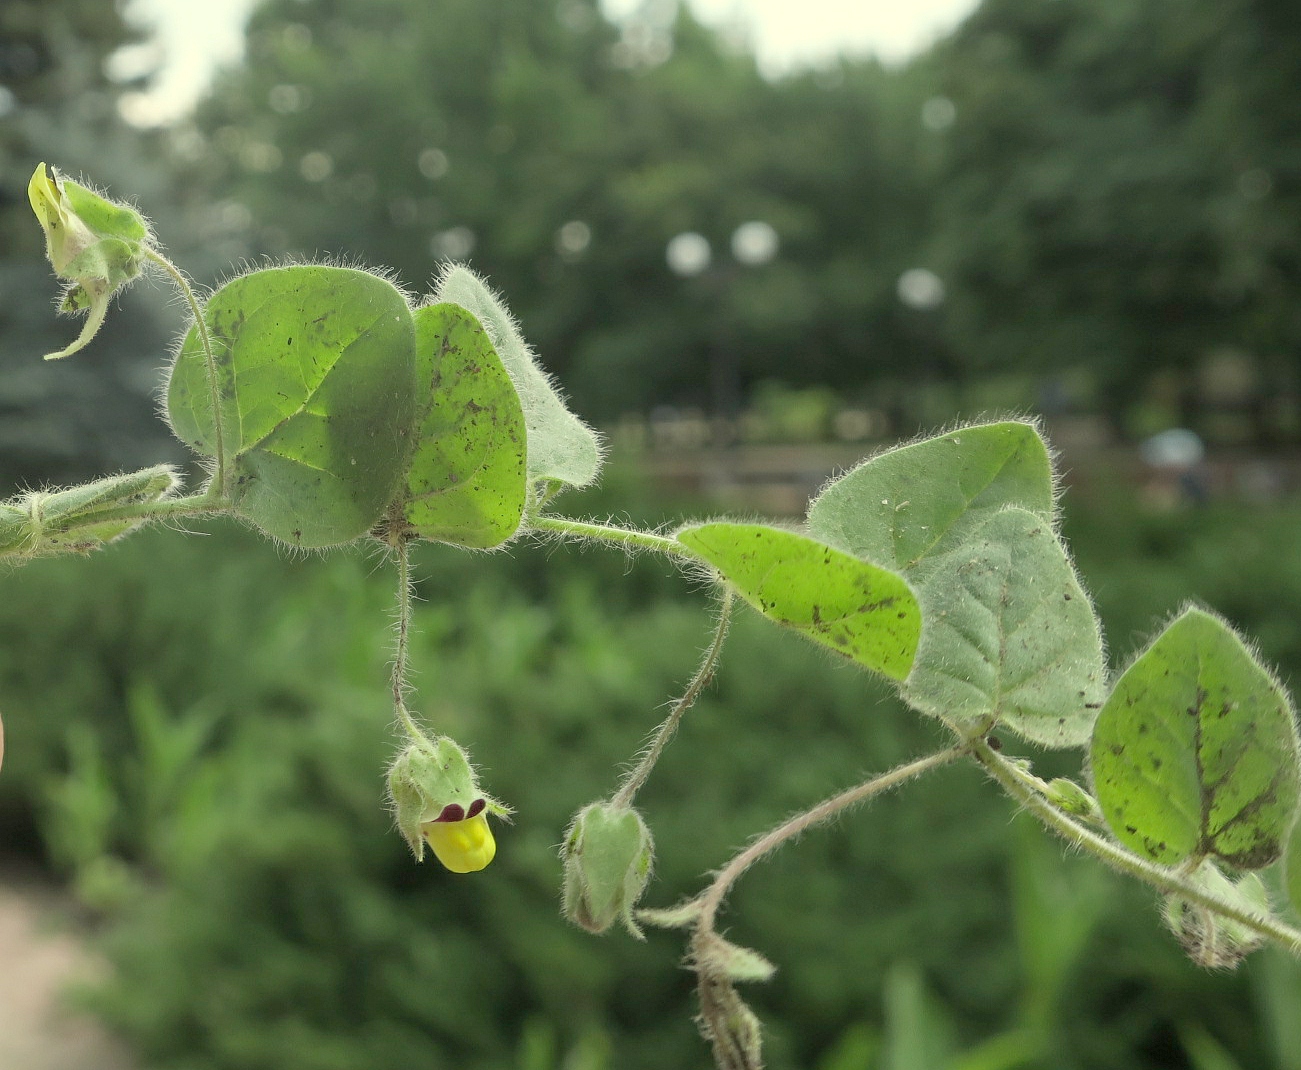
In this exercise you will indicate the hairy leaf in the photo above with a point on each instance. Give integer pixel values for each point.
(859, 610)
(1008, 636)
(317, 381)
(1195, 752)
(560, 446)
(909, 505)
(467, 481)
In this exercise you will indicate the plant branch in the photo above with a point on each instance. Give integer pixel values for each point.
(704, 674)
(402, 653)
(1171, 881)
(627, 538)
(713, 897)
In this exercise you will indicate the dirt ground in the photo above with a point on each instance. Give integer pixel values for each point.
(40, 957)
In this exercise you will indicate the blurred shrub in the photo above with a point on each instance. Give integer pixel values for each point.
(199, 727)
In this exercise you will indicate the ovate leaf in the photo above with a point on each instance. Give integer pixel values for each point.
(560, 446)
(908, 505)
(859, 610)
(317, 380)
(1195, 751)
(1009, 637)
(467, 480)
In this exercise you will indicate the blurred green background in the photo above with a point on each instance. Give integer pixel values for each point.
(1083, 209)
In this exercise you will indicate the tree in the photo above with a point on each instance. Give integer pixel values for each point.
(1113, 188)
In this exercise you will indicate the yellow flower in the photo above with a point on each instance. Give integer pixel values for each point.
(461, 840)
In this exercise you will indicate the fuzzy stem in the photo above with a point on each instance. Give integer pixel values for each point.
(628, 538)
(205, 339)
(713, 897)
(401, 655)
(704, 674)
(190, 505)
(1170, 881)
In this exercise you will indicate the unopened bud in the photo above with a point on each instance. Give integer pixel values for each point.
(1067, 795)
(607, 853)
(436, 800)
(95, 246)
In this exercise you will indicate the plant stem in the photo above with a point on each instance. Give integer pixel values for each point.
(401, 656)
(190, 505)
(628, 538)
(714, 895)
(214, 398)
(1171, 881)
(704, 674)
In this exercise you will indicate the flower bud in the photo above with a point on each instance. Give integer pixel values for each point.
(1069, 796)
(94, 245)
(607, 855)
(436, 800)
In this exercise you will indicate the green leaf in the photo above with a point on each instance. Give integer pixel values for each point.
(909, 505)
(317, 376)
(683, 915)
(560, 446)
(1195, 752)
(721, 958)
(863, 612)
(1292, 867)
(467, 481)
(1008, 636)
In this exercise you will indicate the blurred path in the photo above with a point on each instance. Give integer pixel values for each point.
(38, 959)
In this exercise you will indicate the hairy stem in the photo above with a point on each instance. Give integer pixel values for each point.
(704, 674)
(1172, 881)
(218, 488)
(402, 651)
(628, 538)
(190, 505)
(712, 899)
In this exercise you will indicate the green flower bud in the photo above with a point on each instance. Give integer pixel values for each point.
(1069, 796)
(436, 800)
(607, 855)
(94, 245)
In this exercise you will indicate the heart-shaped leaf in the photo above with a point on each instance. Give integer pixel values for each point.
(467, 481)
(1008, 636)
(859, 610)
(317, 382)
(906, 506)
(1195, 752)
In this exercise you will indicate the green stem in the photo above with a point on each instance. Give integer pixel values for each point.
(214, 392)
(1171, 881)
(713, 897)
(637, 777)
(191, 505)
(627, 538)
(402, 654)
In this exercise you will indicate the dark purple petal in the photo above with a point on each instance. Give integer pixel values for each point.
(452, 812)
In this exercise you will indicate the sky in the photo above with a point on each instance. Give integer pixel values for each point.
(196, 36)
